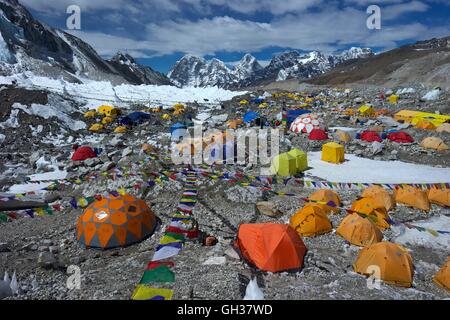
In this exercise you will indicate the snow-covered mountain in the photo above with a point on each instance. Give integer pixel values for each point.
(136, 73)
(29, 45)
(291, 64)
(195, 71)
(246, 67)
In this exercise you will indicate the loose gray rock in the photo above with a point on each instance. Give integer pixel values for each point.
(4, 247)
(47, 260)
(268, 208)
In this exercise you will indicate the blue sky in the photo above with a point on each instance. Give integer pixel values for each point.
(159, 32)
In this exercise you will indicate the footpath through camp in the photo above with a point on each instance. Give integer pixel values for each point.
(93, 204)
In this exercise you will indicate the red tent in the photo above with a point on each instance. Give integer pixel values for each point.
(271, 246)
(370, 136)
(400, 137)
(317, 134)
(83, 153)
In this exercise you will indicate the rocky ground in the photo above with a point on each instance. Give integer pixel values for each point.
(39, 250)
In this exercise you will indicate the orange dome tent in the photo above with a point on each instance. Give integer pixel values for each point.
(311, 221)
(327, 196)
(439, 196)
(381, 197)
(394, 262)
(359, 231)
(271, 247)
(442, 277)
(115, 222)
(368, 207)
(412, 197)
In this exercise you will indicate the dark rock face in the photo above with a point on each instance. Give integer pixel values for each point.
(53, 53)
(135, 73)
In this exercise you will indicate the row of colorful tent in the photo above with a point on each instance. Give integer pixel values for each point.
(277, 247)
(274, 247)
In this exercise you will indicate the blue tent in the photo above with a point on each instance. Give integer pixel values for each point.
(250, 116)
(139, 116)
(135, 117)
(177, 126)
(257, 100)
(177, 131)
(293, 114)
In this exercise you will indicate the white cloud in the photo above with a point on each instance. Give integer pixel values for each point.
(397, 10)
(272, 6)
(327, 30)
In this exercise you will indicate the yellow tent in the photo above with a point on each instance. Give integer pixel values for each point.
(343, 136)
(233, 124)
(381, 197)
(368, 207)
(327, 196)
(434, 143)
(108, 111)
(243, 101)
(301, 159)
(179, 106)
(120, 129)
(333, 152)
(393, 99)
(442, 277)
(96, 127)
(365, 110)
(359, 231)
(107, 120)
(389, 261)
(90, 114)
(311, 221)
(284, 165)
(439, 196)
(415, 116)
(405, 115)
(423, 124)
(349, 112)
(166, 116)
(412, 197)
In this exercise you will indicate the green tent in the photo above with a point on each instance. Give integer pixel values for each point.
(284, 165)
(301, 159)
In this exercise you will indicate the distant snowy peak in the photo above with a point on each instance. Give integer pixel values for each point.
(136, 73)
(356, 53)
(195, 71)
(315, 63)
(186, 71)
(246, 67)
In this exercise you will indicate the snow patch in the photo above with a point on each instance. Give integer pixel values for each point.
(48, 111)
(361, 170)
(415, 237)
